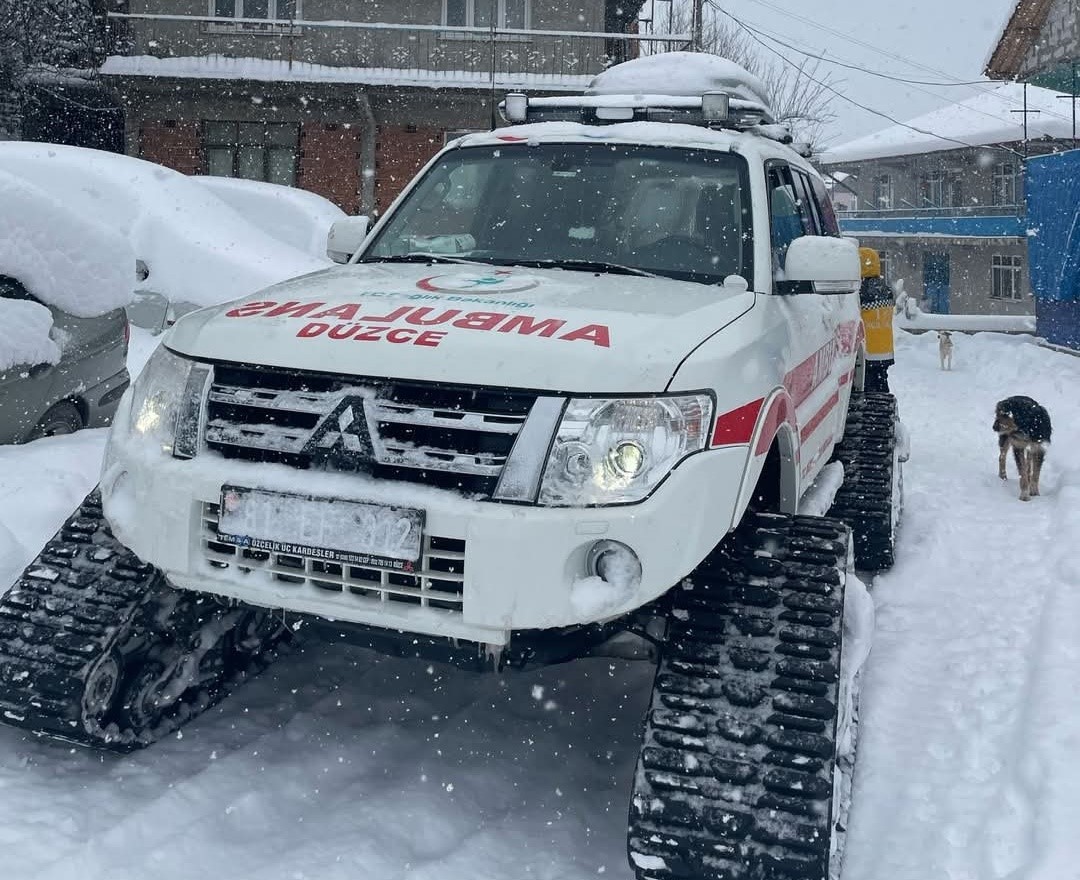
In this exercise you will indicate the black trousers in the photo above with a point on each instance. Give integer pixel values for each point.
(877, 376)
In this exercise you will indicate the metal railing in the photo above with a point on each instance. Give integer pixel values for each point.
(434, 49)
(965, 211)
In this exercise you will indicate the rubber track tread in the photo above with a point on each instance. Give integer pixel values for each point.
(735, 777)
(86, 597)
(866, 499)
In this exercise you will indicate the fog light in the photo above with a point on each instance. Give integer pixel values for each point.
(614, 563)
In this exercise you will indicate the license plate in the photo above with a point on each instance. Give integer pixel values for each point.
(350, 532)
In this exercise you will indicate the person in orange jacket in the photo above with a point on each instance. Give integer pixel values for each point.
(877, 304)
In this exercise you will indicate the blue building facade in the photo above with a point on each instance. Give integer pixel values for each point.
(1053, 206)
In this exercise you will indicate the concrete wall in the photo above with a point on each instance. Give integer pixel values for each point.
(378, 48)
(970, 269)
(1058, 42)
(974, 168)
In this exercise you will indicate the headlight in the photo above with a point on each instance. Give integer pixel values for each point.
(161, 401)
(616, 451)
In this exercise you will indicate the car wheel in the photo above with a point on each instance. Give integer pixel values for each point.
(64, 418)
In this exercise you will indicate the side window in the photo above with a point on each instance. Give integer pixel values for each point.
(807, 202)
(829, 224)
(789, 213)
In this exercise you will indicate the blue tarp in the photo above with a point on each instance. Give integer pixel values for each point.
(1053, 208)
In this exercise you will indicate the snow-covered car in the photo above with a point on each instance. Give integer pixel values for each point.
(190, 247)
(574, 384)
(296, 217)
(63, 332)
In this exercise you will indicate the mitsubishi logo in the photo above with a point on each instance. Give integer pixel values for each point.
(341, 437)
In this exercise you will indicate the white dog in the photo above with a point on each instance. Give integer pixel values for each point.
(945, 347)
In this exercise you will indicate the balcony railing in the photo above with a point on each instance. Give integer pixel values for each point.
(925, 213)
(436, 52)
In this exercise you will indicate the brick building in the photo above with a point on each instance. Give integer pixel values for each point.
(342, 98)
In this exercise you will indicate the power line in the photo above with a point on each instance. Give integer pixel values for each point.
(822, 57)
(852, 101)
(860, 42)
(851, 65)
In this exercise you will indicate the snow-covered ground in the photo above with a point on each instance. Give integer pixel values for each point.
(339, 764)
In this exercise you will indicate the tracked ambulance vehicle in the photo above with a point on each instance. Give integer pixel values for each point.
(574, 384)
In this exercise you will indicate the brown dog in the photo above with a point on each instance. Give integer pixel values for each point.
(1022, 424)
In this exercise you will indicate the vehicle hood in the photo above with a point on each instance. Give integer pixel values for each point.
(545, 329)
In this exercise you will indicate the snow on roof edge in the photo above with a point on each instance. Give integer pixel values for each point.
(984, 119)
(269, 70)
(1001, 31)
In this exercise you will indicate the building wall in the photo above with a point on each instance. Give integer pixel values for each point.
(970, 264)
(973, 167)
(356, 147)
(1058, 42)
(378, 48)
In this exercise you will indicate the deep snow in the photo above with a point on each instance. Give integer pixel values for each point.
(339, 764)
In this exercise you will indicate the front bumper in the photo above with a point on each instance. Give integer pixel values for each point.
(488, 568)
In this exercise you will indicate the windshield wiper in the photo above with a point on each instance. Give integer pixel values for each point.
(424, 257)
(581, 266)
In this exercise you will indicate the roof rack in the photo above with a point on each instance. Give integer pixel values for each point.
(713, 109)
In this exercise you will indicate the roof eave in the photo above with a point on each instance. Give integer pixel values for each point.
(1016, 39)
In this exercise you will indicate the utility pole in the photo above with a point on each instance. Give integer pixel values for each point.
(1026, 113)
(1072, 96)
(697, 27)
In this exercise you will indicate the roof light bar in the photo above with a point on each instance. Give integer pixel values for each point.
(715, 107)
(516, 107)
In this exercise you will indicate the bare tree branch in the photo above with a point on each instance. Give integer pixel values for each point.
(798, 91)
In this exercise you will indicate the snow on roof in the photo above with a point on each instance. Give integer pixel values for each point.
(271, 70)
(679, 73)
(68, 260)
(1007, 18)
(986, 118)
(197, 248)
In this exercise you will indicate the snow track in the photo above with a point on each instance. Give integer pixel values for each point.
(336, 764)
(967, 765)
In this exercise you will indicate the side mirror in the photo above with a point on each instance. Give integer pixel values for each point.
(825, 264)
(345, 238)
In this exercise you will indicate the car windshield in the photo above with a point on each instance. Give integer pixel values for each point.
(679, 213)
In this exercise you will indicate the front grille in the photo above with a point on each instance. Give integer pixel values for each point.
(438, 584)
(443, 435)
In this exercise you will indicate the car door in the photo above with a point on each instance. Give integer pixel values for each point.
(821, 327)
(24, 388)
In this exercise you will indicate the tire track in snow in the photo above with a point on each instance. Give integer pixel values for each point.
(952, 751)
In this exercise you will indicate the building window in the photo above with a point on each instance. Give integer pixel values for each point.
(883, 192)
(953, 195)
(1006, 277)
(887, 265)
(252, 150)
(931, 190)
(481, 13)
(269, 9)
(1005, 183)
